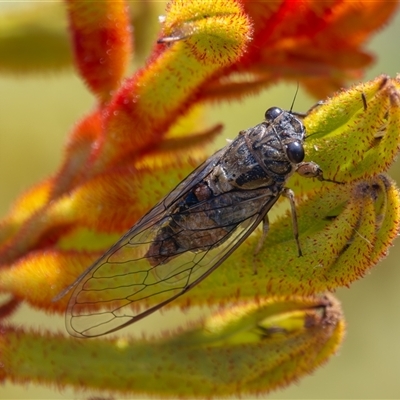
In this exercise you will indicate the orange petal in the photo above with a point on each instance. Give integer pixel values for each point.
(101, 37)
(320, 42)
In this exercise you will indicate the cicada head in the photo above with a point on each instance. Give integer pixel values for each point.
(290, 132)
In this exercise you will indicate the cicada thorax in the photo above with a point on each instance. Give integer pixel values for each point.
(277, 144)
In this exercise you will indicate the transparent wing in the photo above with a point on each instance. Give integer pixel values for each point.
(146, 269)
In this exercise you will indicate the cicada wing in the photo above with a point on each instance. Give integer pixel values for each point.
(126, 284)
(130, 281)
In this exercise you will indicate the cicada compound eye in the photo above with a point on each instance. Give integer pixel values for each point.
(273, 113)
(295, 152)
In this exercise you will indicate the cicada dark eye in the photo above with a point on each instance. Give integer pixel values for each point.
(273, 113)
(295, 152)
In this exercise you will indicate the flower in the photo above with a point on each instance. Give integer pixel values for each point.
(115, 156)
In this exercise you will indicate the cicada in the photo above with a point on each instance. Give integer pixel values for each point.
(193, 229)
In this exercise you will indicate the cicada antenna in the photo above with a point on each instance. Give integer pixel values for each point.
(294, 98)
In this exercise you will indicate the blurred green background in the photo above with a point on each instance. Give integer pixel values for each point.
(36, 114)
